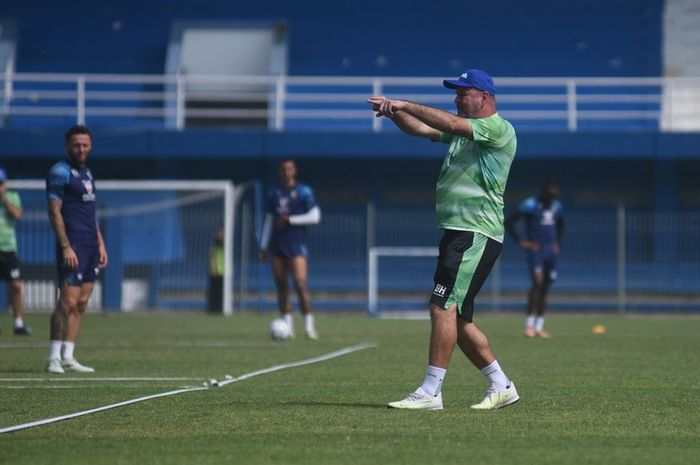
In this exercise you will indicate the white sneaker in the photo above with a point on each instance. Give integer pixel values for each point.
(419, 400)
(54, 366)
(498, 399)
(71, 364)
(312, 334)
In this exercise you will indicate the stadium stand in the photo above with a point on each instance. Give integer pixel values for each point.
(597, 38)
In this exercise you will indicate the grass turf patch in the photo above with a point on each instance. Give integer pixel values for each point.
(624, 397)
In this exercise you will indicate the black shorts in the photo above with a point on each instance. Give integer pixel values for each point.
(9, 266)
(465, 261)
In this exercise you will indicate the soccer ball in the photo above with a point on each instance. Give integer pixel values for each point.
(279, 330)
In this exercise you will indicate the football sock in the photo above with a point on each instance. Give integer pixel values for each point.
(539, 323)
(289, 320)
(432, 384)
(530, 321)
(68, 349)
(496, 376)
(309, 322)
(55, 349)
(19, 323)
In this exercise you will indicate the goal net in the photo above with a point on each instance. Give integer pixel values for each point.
(399, 281)
(158, 234)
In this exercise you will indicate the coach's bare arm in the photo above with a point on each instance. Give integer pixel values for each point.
(421, 120)
(70, 258)
(403, 120)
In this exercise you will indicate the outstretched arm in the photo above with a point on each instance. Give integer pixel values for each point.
(404, 121)
(433, 118)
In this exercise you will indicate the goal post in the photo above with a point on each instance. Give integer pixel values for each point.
(158, 235)
(373, 268)
(417, 276)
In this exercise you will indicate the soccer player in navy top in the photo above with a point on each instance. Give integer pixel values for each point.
(544, 229)
(291, 207)
(80, 249)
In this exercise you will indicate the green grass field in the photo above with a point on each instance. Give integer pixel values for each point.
(630, 396)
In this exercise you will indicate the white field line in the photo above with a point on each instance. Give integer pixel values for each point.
(308, 361)
(22, 380)
(42, 387)
(186, 345)
(70, 386)
(47, 421)
(244, 376)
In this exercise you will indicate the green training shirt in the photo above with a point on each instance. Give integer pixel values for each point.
(8, 238)
(469, 192)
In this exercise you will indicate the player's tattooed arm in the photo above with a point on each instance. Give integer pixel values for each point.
(102, 250)
(70, 259)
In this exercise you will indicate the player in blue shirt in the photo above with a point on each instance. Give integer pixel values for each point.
(291, 207)
(80, 249)
(544, 229)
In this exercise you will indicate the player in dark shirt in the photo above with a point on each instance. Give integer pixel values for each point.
(544, 229)
(80, 249)
(291, 207)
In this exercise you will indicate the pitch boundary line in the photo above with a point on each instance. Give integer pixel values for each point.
(65, 386)
(180, 345)
(284, 366)
(118, 378)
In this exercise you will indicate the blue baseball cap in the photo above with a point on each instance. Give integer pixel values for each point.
(476, 78)
(3, 175)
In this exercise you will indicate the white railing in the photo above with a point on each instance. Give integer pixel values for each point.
(295, 102)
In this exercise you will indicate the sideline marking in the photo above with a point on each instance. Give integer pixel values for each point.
(68, 386)
(309, 361)
(47, 379)
(120, 345)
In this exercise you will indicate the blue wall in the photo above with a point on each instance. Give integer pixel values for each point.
(228, 144)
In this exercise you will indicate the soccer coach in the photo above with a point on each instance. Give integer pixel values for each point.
(469, 209)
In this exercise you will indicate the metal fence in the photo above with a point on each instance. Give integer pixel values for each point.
(613, 260)
(295, 102)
